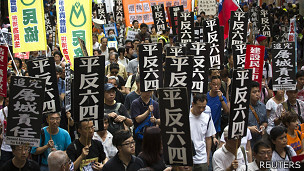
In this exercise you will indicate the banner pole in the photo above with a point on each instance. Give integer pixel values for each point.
(10, 52)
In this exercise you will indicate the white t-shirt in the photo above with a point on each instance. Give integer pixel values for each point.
(277, 157)
(201, 127)
(269, 71)
(243, 140)
(222, 159)
(4, 146)
(108, 147)
(272, 106)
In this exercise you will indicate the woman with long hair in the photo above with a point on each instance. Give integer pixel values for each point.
(152, 149)
(281, 151)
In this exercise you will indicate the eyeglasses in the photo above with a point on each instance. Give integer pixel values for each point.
(130, 144)
(55, 119)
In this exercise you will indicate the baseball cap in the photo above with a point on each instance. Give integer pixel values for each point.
(260, 38)
(108, 86)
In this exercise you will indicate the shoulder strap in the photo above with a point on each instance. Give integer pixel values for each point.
(133, 80)
(4, 114)
(255, 114)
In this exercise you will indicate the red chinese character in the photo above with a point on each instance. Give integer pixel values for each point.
(17, 44)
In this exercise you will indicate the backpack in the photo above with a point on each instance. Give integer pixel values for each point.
(114, 126)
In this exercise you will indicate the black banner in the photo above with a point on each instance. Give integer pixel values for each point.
(68, 84)
(88, 92)
(174, 17)
(159, 18)
(199, 34)
(239, 55)
(44, 68)
(240, 100)
(283, 66)
(265, 24)
(48, 24)
(176, 51)
(186, 27)
(254, 18)
(179, 71)
(238, 28)
(118, 11)
(177, 144)
(150, 66)
(6, 37)
(200, 51)
(25, 111)
(102, 12)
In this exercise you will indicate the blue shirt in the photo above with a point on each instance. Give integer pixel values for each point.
(61, 142)
(216, 110)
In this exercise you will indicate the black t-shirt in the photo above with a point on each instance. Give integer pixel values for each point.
(96, 152)
(159, 165)
(119, 97)
(116, 164)
(30, 165)
(120, 109)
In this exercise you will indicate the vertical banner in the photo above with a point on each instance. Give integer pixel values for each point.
(44, 68)
(255, 61)
(179, 72)
(176, 51)
(118, 11)
(159, 18)
(88, 92)
(283, 66)
(215, 36)
(177, 144)
(254, 18)
(239, 55)
(150, 66)
(200, 51)
(186, 27)
(238, 28)
(6, 38)
(27, 24)
(141, 10)
(102, 13)
(74, 21)
(265, 24)
(240, 96)
(25, 111)
(48, 24)
(3, 70)
(209, 7)
(199, 34)
(68, 88)
(174, 17)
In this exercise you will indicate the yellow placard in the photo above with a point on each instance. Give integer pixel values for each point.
(74, 20)
(27, 25)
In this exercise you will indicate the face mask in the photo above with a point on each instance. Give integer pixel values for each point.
(112, 36)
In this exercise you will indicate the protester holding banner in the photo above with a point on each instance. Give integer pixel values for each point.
(143, 34)
(52, 138)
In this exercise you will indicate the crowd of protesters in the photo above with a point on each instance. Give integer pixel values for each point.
(276, 118)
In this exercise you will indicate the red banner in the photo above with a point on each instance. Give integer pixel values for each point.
(255, 60)
(3, 70)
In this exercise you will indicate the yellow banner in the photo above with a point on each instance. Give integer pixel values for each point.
(74, 19)
(27, 25)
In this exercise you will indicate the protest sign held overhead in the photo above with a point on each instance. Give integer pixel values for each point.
(118, 11)
(3, 70)
(238, 28)
(283, 66)
(185, 27)
(73, 23)
(6, 38)
(44, 68)
(175, 126)
(159, 18)
(239, 55)
(240, 100)
(27, 21)
(25, 111)
(68, 88)
(88, 91)
(150, 67)
(176, 51)
(265, 23)
(174, 17)
(208, 6)
(199, 34)
(102, 13)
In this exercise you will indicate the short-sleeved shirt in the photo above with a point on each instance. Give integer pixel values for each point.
(117, 108)
(272, 106)
(276, 157)
(30, 165)
(96, 153)
(260, 110)
(108, 147)
(61, 142)
(280, 108)
(130, 98)
(216, 110)
(201, 127)
(296, 141)
(132, 66)
(129, 82)
(116, 164)
(139, 107)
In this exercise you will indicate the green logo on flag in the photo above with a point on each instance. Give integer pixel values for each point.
(27, 2)
(76, 17)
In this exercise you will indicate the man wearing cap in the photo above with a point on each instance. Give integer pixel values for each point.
(267, 70)
(224, 158)
(118, 114)
(143, 34)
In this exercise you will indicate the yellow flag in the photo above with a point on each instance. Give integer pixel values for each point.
(74, 20)
(27, 25)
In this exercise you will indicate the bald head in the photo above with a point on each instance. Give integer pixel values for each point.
(58, 161)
